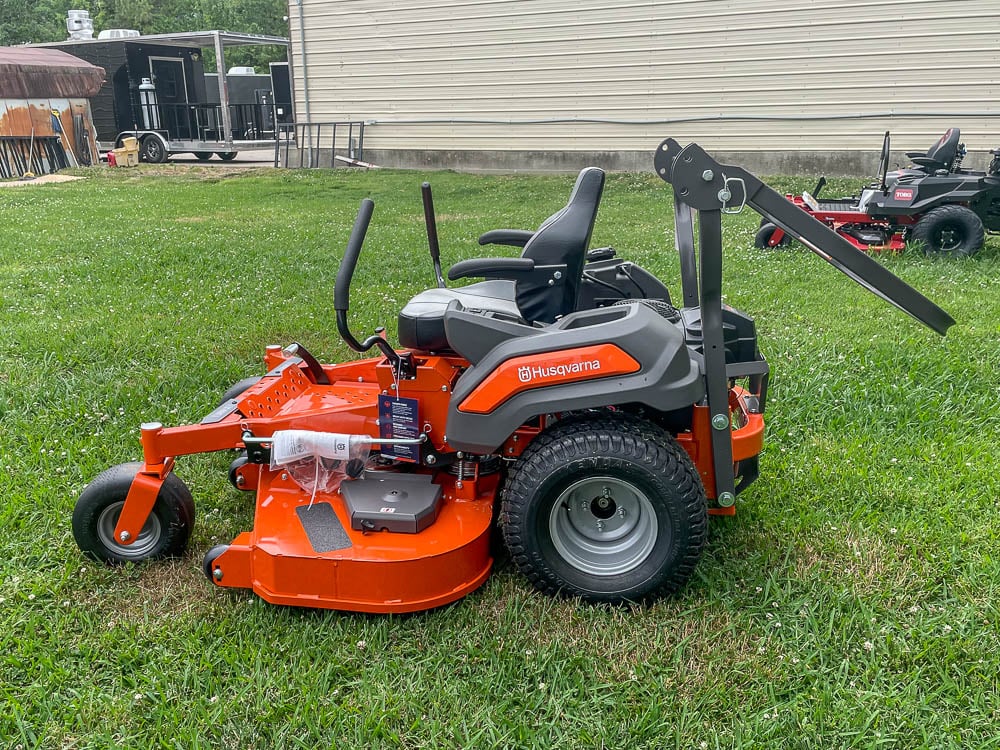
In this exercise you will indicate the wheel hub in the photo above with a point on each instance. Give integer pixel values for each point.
(144, 543)
(604, 507)
(949, 238)
(603, 525)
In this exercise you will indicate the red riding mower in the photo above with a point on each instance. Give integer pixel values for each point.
(934, 202)
(564, 397)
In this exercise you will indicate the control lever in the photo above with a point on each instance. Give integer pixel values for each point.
(312, 364)
(432, 232)
(342, 293)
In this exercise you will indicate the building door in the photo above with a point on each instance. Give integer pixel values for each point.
(172, 96)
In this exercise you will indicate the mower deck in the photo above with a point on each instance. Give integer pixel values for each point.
(306, 553)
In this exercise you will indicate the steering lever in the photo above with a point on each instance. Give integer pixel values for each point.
(342, 292)
(432, 233)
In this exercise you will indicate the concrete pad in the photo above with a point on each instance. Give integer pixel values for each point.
(45, 179)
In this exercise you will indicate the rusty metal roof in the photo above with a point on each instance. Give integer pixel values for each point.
(30, 72)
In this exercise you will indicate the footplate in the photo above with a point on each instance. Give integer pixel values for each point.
(403, 503)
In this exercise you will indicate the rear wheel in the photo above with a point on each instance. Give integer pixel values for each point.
(165, 533)
(203, 155)
(609, 509)
(227, 155)
(949, 230)
(763, 237)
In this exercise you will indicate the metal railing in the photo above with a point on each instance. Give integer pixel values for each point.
(317, 144)
(203, 122)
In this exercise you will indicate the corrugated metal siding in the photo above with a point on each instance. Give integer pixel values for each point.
(600, 75)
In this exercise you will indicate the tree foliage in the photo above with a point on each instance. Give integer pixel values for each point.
(24, 21)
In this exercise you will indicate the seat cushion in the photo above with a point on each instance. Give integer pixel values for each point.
(421, 321)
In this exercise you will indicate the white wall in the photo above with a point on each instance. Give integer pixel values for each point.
(620, 75)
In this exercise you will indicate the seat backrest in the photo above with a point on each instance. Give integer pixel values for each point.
(945, 149)
(562, 239)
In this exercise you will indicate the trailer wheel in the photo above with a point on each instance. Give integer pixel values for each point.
(202, 155)
(227, 155)
(95, 516)
(762, 239)
(949, 230)
(152, 150)
(608, 509)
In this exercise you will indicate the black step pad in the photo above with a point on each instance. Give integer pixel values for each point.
(323, 528)
(848, 205)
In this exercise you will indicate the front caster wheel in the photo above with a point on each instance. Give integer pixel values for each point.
(609, 509)
(95, 516)
(240, 479)
(764, 237)
(208, 564)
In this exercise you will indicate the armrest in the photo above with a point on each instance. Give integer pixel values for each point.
(512, 237)
(923, 161)
(915, 154)
(491, 268)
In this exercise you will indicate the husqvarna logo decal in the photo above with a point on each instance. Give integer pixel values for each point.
(549, 369)
(903, 194)
(527, 374)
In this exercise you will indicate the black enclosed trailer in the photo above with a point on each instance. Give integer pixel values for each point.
(156, 90)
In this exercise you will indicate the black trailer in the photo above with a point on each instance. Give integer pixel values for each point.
(157, 91)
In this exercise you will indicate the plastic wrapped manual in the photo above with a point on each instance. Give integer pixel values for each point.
(319, 461)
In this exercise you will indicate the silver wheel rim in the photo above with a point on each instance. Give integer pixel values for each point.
(144, 544)
(603, 526)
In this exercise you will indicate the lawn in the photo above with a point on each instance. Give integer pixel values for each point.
(851, 602)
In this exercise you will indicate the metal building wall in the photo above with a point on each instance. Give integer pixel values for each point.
(547, 83)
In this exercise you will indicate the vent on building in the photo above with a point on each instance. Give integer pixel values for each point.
(79, 24)
(117, 34)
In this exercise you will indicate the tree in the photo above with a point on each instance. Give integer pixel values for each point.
(24, 21)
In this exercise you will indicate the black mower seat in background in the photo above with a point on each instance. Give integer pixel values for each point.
(941, 155)
(515, 290)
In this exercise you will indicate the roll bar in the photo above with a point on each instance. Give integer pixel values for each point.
(702, 184)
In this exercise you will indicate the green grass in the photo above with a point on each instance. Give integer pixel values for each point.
(852, 602)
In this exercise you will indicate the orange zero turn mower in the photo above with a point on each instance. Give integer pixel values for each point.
(564, 398)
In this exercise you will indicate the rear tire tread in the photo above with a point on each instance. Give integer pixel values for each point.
(614, 437)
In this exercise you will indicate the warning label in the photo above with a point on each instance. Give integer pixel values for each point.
(399, 418)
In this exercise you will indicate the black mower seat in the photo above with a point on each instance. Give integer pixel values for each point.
(540, 286)
(421, 321)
